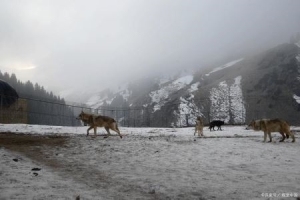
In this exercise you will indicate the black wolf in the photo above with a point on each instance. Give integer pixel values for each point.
(217, 123)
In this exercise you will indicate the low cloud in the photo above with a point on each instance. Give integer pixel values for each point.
(102, 43)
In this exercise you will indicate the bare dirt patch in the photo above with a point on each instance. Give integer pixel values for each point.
(32, 145)
(69, 158)
(17, 141)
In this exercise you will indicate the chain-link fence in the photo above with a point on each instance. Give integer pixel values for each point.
(45, 112)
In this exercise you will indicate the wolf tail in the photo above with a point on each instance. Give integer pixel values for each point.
(118, 131)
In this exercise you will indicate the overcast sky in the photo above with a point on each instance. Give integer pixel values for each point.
(63, 44)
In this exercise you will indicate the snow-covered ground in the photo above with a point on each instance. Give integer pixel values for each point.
(150, 163)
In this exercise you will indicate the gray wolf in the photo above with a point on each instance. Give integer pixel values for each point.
(272, 125)
(95, 121)
(199, 126)
(217, 123)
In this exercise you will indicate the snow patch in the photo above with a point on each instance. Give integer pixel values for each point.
(219, 98)
(96, 101)
(125, 94)
(298, 57)
(184, 80)
(297, 98)
(230, 64)
(187, 112)
(237, 106)
(194, 87)
(227, 102)
(159, 97)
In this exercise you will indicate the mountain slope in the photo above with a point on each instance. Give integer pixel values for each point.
(261, 86)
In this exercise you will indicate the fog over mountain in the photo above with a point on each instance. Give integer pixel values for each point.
(262, 86)
(78, 46)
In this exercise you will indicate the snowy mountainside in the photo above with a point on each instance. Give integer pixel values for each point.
(106, 97)
(297, 97)
(173, 97)
(241, 89)
(159, 97)
(229, 98)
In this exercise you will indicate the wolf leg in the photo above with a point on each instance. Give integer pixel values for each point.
(287, 136)
(116, 129)
(89, 130)
(283, 137)
(270, 137)
(293, 138)
(291, 134)
(265, 136)
(200, 132)
(95, 130)
(107, 130)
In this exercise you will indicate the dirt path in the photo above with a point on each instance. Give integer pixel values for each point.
(32, 145)
(47, 151)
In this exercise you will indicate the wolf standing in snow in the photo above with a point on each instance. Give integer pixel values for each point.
(95, 121)
(199, 126)
(272, 125)
(217, 123)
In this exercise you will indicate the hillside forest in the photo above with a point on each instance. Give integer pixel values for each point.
(43, 107)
